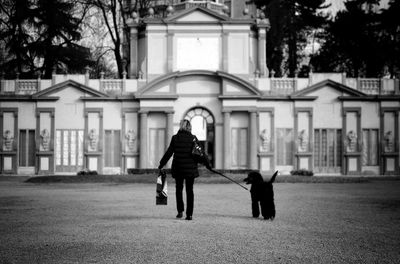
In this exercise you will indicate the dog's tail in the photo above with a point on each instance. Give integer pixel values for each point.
(274, 176)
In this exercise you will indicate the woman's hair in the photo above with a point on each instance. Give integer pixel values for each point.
(185, 125)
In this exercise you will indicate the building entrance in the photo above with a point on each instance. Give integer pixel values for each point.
(204, 129)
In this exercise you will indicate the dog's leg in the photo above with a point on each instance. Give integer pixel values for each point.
(267, 210)
(255, 210)
(254, 206)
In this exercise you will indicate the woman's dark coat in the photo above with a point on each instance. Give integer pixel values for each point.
(183, 164)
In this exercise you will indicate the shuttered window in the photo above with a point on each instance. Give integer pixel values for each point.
(156, 146)
(239, 147)
(284, 146)
(27, 148)
(112, 148)
(370, 147)
(327, 150)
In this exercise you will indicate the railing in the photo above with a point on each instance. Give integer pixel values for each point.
(111, 86)
(283, 86)
(272, 86)
(207, 4)
(369, 86)
(27, 86)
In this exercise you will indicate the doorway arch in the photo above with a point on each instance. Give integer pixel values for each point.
(203, 127)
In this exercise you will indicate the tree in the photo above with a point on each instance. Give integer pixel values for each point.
(58, 32)
(40, 35)
(292, 23)
(14, 35)
(357, 42)
(115, 14)
(390, 32)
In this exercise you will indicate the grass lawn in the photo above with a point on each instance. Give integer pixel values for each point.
(116, 222)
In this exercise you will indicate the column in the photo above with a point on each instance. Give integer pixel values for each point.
(225, 46)
(170, 52)
(253, 141)
(143, 140)
(262, 45)
(170, 128)
(133, 67)
(227, 139)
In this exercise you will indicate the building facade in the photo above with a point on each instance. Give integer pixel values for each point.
(203, 61)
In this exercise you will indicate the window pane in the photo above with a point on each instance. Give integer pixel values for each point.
(365, 149)
(331, 145)
(243, 147)
(107, 148)
(73, 147)
(373, 151)
(289, 146)
(234, 148)
(117, 148)
(80, 147)
(280, 146)
(317, 161)
(23, 148)
(324, 148)
(58, 147)
(65, 148)
(31, 148)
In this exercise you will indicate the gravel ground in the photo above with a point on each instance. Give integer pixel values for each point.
(120, 223)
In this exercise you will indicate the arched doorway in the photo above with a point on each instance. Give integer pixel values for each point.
(203, 128)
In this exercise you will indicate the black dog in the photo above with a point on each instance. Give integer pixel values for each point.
(261, 192)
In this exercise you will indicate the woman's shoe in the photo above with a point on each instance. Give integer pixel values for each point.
(179, 215)
(189, 217)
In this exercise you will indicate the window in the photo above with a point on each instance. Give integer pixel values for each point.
(69, 150)
(239, 147)
(27, 148)
(370, 147)
(156, 146)
(112, 148)
(327, 150)
(284, 146)
(198, 53)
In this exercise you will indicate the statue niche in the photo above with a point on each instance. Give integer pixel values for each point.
(302, 141)
(388, 139)
(351, 141)
(93, 139)
(130, 139)
(265, 140)
(45, 139)
(8, 139)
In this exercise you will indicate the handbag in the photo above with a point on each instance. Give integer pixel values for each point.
(161, 190)
(197, 151)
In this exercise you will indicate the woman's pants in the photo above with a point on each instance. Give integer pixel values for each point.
(189, 195)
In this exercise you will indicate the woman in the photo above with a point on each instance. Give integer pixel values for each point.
(184, 167)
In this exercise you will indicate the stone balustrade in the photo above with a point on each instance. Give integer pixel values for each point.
(112, 86)
(206, 4)
(268, 86)
(282, 86)
(27, 86)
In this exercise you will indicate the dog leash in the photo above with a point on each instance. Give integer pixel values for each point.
(232, 180)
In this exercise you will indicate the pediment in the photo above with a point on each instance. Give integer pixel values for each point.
(236, 89)
(197, 14)
(70, 84)
(198, 82)
(164, 88)
(328, 86)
